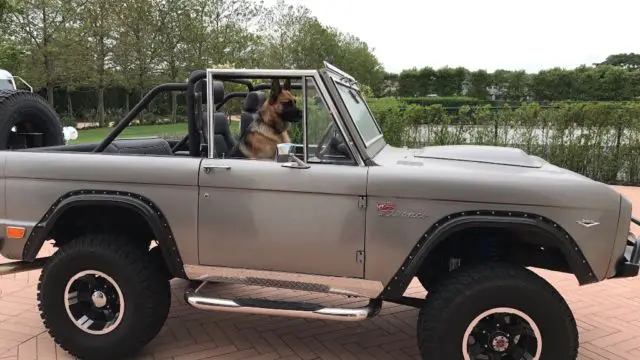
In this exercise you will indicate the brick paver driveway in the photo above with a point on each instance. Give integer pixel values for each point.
(608, 316)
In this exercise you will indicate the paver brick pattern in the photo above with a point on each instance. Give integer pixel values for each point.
(608, 317)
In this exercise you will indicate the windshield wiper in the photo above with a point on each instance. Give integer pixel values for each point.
(354, 96)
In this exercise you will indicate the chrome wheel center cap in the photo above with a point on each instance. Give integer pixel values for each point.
(99, 299)
(500, 343)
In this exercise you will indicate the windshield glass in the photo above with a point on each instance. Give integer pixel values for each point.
(364, 121)
(6, 84)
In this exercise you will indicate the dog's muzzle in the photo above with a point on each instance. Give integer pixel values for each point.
(292, 115)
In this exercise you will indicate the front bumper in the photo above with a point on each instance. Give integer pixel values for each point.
(629, 263)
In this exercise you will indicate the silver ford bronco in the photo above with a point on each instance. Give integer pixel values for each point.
(128, 215)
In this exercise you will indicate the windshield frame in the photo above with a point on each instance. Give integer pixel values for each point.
(368, 150)
(367, 142)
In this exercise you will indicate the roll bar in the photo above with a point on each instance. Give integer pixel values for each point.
(137, 110)
(189, 89)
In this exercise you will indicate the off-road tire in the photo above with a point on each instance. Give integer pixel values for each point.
(156, 255)
(453, 303)
(29, 112)
(144, 287)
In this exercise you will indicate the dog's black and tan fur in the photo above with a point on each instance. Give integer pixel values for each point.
(260, 139)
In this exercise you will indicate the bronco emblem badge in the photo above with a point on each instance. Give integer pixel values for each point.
(385, 207)
(389, 209)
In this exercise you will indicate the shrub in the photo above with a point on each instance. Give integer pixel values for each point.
(598, 140)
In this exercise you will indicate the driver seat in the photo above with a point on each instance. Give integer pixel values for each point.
(223, 140)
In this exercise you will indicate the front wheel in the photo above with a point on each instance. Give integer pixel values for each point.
(103, 297)
(496, 311)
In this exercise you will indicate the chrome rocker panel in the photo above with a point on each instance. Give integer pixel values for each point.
(303, 282)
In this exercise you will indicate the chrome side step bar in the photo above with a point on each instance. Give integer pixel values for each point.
(281, 308)
(15, 267)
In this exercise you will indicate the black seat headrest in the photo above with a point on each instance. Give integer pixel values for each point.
(254, 101)
(221, 123)
(218, 91)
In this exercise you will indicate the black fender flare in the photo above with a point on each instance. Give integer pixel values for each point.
(453, 223)
(143, 206)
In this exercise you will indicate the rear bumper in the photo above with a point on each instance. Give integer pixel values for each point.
(629, 263)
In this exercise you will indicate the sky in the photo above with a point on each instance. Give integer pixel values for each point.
(486, 34)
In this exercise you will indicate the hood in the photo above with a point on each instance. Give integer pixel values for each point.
(481, 154)
(483, 174)
(458, 155)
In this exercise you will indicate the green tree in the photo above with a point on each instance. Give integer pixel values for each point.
(98, 34)
(629, 61)
(138, 48)
(174, 16)
(448, 81)
(312, 43)
(409, 82)
(280, 24)
(479, 80)
(554, 84)
(518, 85)
(355, 57)
(38, 25)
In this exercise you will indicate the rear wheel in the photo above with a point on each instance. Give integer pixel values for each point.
(496, 311)
(103, 297)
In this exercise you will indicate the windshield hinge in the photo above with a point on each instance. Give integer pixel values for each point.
(362, 202)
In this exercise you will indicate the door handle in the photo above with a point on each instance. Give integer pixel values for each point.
(208, 168)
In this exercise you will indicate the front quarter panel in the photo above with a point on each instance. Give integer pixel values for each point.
(423, 198)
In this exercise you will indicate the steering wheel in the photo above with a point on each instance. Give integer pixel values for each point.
(321, 149)
(333, 145)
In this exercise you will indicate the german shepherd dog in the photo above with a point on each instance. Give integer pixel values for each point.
(279, 111)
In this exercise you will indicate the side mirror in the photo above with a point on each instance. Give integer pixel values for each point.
(286, 154)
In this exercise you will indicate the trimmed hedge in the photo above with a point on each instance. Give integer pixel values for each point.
(598, 140)
(447, 101)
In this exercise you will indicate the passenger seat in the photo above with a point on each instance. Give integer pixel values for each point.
(252, 104)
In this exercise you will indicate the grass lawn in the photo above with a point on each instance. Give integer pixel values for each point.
(167, 131)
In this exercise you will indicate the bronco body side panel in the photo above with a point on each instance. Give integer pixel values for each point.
(429, 190)
(36, 180)
(261, 215)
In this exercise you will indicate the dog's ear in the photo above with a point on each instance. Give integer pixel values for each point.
(287, 85)
(275, 90)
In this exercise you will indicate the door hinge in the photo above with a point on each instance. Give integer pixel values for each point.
(360, 256)
(362, 202)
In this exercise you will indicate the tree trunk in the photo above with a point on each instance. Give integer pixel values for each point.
(141, 115)
(69, 104)
(174, 107)
(50, 92)
(101, 106)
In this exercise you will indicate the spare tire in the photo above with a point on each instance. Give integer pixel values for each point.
(36, 122)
